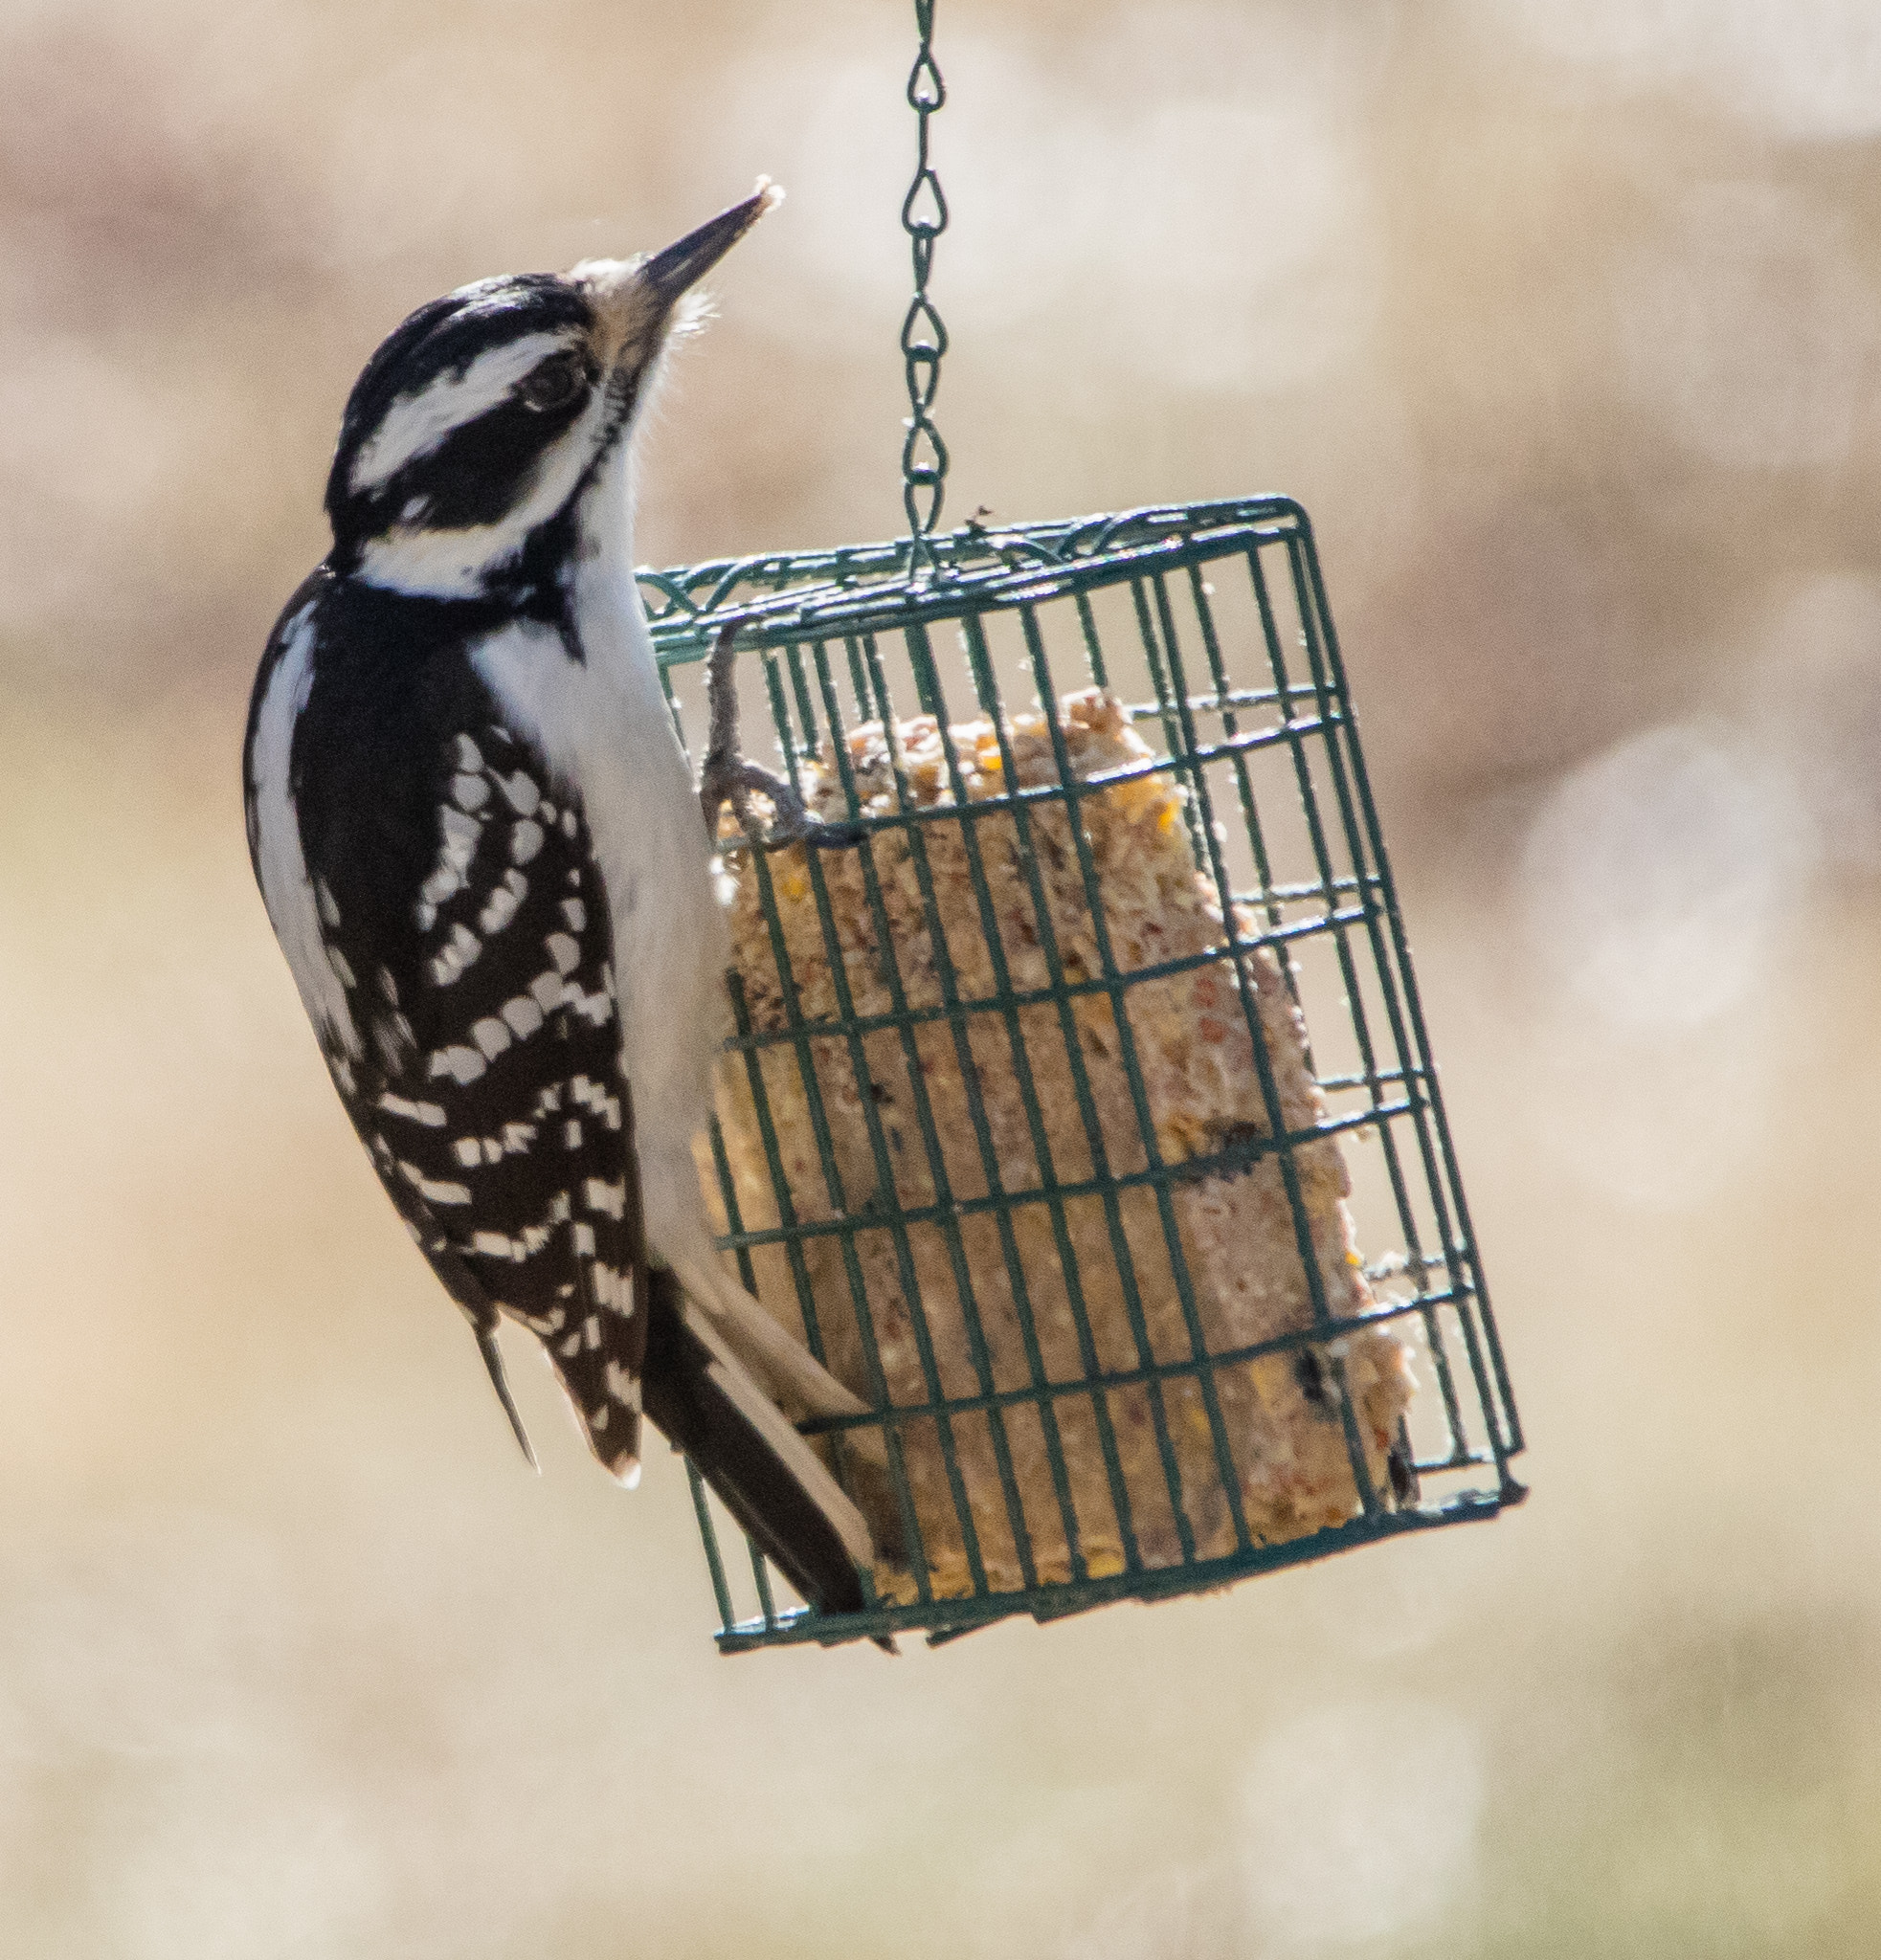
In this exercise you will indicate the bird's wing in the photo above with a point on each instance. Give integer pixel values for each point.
(478, 1057)
(485, 1075)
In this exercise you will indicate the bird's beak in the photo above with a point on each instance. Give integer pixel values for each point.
(684, 264)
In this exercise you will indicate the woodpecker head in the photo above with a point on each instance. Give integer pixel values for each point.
(483, 418)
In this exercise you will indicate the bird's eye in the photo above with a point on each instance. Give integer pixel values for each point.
(553, 384)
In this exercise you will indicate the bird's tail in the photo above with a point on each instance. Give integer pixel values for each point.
(708, 1403)
(797, 1382)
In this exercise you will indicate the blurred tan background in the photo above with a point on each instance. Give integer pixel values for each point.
(1564, 319)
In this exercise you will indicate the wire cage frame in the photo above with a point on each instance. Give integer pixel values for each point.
(1209, 623)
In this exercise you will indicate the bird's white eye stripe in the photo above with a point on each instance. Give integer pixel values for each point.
(416, 423)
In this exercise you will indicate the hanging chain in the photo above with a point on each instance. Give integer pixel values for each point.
(923, 338)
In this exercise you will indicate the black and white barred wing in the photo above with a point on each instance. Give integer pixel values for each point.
(491, 1098)
(435, 888)
(489, 1089)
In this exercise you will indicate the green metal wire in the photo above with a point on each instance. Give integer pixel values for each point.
(1254, 721)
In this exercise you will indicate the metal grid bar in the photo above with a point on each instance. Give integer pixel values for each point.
(876, 696)
(1109, 1379)
(928, 691)
(945, 1209)
(866, 613)
(1450, 1181)
(946, 1619)
(1113, 985)
(1158, 1177)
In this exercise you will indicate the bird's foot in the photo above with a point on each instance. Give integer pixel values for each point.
(728, 777)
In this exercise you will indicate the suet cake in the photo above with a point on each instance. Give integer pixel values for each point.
(943, 1101)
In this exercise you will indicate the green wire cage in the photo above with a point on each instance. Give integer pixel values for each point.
(1079, 1113)
(977, 1199)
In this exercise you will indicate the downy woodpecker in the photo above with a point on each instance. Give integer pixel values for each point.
(479, 845)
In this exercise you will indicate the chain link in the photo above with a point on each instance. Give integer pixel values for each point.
(923, 337)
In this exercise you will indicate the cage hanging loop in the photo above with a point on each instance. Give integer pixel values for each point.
(924, 335)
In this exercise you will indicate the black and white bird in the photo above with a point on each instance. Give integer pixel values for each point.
(479, 845)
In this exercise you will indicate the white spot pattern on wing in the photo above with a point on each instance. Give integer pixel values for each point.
(519, 792)
(433, 1189)
(463, 1065)
(456, 955)
(601, 1196)
(430, 1114)
(501, 908)
(524, 840)
(461, 832)
(523, 1015)
(492, 1036)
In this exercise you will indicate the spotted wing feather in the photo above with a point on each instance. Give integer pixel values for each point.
(435, 887)
(488, 1088)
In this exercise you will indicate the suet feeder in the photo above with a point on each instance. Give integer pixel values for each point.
(1079, 1113)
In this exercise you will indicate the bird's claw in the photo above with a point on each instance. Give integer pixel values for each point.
(734, 780)
(728, 777)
